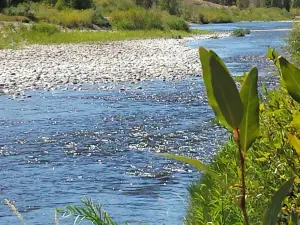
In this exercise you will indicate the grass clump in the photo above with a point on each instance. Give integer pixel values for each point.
(241, 32)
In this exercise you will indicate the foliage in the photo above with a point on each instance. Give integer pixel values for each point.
(240, 32)
(252, 173)
(45, 28)
(89, 211)
(172, 6)
(23, 9)
(98, 19)
(74, 4)
(139, 19)
(294, 42)
(9, 36)
(109, 6)
(35, 36)
(174, 23)
(67, 18)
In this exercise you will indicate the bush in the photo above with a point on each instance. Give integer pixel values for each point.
(74, 4)
(240, 32)
(98, 19)
(23, 9)
(45, 28)
(256, 164)
(137, 19)
(294, 43)
(67, 17)
(175, 23)
(109, 6)
(22, 19)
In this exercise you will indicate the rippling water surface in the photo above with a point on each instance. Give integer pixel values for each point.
(56, 147)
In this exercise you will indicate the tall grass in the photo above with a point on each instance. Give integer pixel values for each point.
(67, 18)
(109, 6)
(294, 43)
(209, 14)
(141, 19)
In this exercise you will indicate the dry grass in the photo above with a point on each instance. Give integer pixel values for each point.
(13, 208)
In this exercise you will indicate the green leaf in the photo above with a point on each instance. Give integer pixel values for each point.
(293, 218)
(291, 77)
(194, 162)
(274, 208)
(225, 91)
(295, 142)
(296, 121)
(272, 54)
(204, 58)
(249, 127)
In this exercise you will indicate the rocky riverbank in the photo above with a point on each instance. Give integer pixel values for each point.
(49, 66)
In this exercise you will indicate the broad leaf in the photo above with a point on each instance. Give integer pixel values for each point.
(272, 54)
(204, 58)
(293, 218)
(291, 77)
(194, 162)
(274, 208)
(249, 127)
(225, 91)
(295, 142)
(296, 121)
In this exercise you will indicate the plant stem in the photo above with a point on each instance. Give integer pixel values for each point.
(242, 167)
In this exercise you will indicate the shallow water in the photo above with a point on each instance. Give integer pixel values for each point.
(57, 147)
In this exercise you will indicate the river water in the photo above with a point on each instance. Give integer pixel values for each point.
(56, 147)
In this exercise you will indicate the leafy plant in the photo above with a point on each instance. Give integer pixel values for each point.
(89, 211)
(239, 111)
(240, 32)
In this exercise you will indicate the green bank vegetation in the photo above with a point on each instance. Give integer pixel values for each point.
(20, 35)
(248, 177)
(170, 17)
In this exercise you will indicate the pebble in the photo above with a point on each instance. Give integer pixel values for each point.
(48, 66)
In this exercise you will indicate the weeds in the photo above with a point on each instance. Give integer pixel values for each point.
(89, 211)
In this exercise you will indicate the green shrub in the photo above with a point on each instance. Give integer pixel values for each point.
(67, 17)
(229, 194)
(175, 23)
(109, 6)
(73, 4)
(23, 9)
(240, 32)
(137, 19)
(7, 18)
(98, 19)
(45, 28)
(294, 43)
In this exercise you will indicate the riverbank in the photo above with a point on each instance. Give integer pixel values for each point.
(269, 163)
(48, 66)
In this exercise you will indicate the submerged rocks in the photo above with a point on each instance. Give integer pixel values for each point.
(46, 66)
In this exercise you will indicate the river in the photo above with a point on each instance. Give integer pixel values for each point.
(56, 147)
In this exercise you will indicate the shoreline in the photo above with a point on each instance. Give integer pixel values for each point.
(44, 67)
